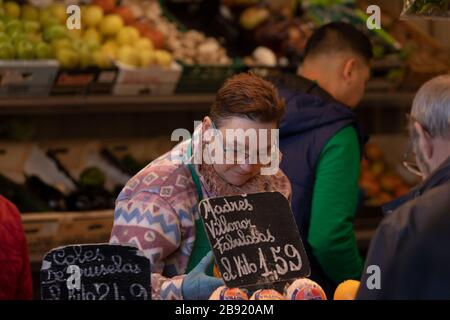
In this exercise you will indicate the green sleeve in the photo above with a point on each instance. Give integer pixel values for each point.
(334, 202)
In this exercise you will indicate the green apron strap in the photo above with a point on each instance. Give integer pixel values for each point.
(201, 244)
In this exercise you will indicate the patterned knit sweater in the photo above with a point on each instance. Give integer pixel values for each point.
(156, 212)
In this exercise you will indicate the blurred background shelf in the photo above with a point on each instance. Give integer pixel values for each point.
(143, 104)
(104, 104)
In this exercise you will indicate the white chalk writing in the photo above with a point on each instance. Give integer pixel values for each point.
(227, 242)
(108, 291)
(227, 207)
(78, 257)
(117, 266)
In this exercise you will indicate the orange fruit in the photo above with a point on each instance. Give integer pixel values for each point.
(216, 272)
(373, 152)
(224, 293)
(347, 290)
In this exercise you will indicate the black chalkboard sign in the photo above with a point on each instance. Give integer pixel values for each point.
(255, 239)
(95, 272)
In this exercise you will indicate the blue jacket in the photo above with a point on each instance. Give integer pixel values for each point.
(312, 118)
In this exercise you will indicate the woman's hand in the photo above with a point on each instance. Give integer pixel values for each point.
(197, 285)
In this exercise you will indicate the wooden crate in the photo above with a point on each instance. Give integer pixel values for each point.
(41, 230)
(86, 227)
(45, 231)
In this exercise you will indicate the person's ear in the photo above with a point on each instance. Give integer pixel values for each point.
(349, 69)
(206, 126)
(425, 141)
(206, 123)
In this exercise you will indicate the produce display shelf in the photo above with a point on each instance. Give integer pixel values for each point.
(141, 104)
(104, 104)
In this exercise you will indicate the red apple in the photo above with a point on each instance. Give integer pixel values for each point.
(107, 5)
(142, 26)
(156, 37)
(126, 14)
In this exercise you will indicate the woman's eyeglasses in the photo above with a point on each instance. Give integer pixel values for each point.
(236, 154)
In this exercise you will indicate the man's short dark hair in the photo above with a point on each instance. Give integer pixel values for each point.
(339, 37)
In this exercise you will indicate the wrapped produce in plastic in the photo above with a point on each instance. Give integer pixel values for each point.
(429, 9)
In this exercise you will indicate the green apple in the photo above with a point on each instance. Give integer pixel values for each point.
(12, 9)
(127, 36)
(25, 50)
(63, 43)
(31, 26)
(17, 36)
(58, 11)
(4, 38)
(68, 58)
(12, 26)
(47, 19)
(7, 51)
(43, 50)
(30, 13)
(6, 18)
(54, 32)
(35, 37)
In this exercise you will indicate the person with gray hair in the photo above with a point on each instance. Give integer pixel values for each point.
(396, 244)
(430, 124)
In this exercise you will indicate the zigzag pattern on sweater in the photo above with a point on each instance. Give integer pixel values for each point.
(151, 220)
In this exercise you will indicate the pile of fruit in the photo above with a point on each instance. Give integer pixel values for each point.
(25, 32)
(300, 289)
(122, 37)
(189, 47)
(379, 183)
(107, 34)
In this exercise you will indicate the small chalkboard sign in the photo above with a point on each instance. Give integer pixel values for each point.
(95, 272)
(255, 239)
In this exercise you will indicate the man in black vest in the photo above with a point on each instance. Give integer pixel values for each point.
(410, 249)
(321, 142)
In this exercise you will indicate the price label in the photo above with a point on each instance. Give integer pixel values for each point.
(254, 238)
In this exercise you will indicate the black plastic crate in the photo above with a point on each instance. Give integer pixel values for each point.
(206, 78)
